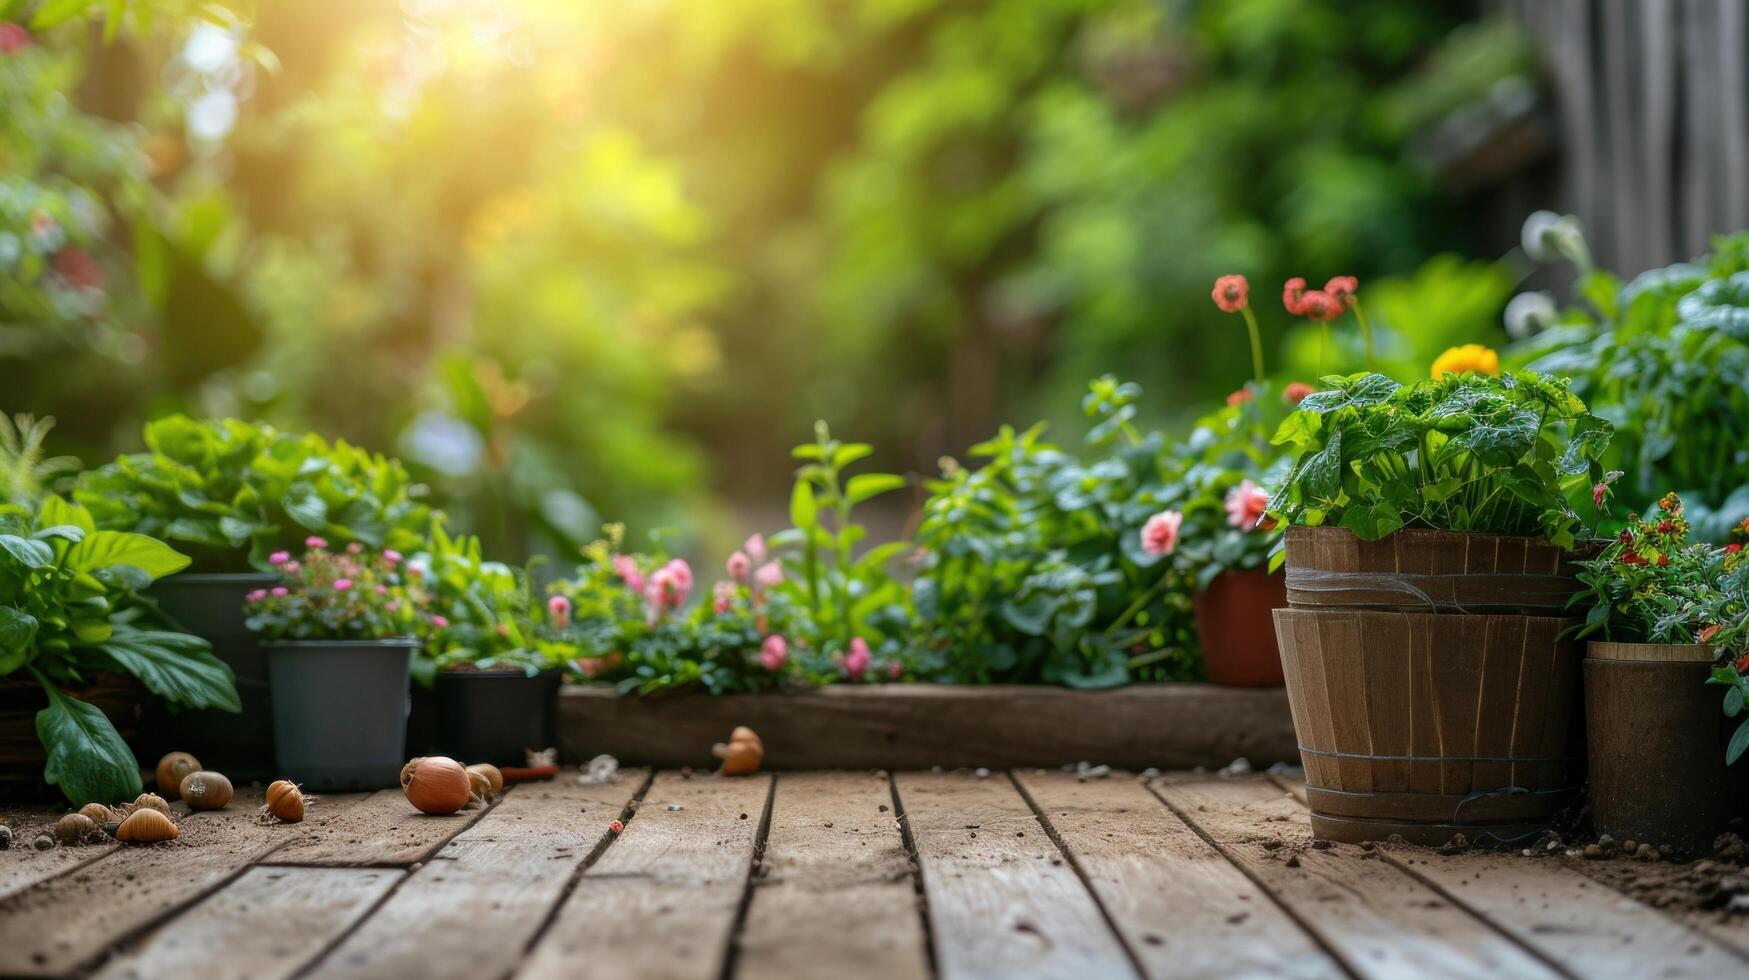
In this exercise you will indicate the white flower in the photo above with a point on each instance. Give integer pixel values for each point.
(1530, 313)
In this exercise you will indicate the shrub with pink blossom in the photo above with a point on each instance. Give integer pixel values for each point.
(329, 595)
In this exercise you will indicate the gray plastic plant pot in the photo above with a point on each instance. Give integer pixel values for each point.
(340, 711)
(240, 745)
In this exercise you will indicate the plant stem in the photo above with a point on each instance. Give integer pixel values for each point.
(1256, 344)
(1365, 332)
(1140, 603)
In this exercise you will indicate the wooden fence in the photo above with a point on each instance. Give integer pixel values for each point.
(1652, 116)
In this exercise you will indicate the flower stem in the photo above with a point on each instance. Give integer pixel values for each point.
(1256, 344)
(1140, 603)
(1365, 332)
(1323, 341)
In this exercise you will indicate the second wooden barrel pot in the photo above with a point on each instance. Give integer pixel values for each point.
(1431, 696)
(1657, 746)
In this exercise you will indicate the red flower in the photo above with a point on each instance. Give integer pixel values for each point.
(1598, 493)
(1742, 664)
(78, 269)
(1663, 561)
(1666, 526)
(1241, 396)
(1706, 635)
(1341, 289)
(1318, 306)
(1291, 293)
(1296, 392)
(1632, 558)
(13, 38)
(1626, 537)
(1733, 548)
(1231, 293)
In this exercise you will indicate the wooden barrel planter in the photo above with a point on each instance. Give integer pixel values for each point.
(1431, 688)
(1656, 740)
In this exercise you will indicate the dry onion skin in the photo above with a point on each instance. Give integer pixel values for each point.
(436, 785)
(479, 788)
(74, 828)
(98, 813)
(493, 776)
(205, 790)
(171, 771)
(285, 801)
(146, 826)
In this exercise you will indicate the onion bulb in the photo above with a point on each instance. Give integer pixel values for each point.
(171, 770)
(493, 776)
(205, 790)
(436, 785)
(285, 801)
(146, 826)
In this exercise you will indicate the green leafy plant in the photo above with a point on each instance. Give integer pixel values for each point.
(847, 595)
(1035, 568)
(234, 493)
(481, 614)
(1516, 454)
(69, 613)
(27, 473)
(1727, 613)
(1663, 358)
(1651, 585)
(351, 594)
(1227, 463)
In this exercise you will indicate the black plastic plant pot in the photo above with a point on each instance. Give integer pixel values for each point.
(496, 715)
(340, 711)
(239, 745)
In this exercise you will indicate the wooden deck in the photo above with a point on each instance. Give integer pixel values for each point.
(843, 874)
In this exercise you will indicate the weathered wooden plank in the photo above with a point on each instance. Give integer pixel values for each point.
(1378, 920)
(384, 830)
(1182, 907)
(23, 865)
(663, 899)
(1671, 888)
(265, 925)
(835, 894)
(1002, 900)
(474, 907)
(1590, 929)
(72, 919)
(916, 726)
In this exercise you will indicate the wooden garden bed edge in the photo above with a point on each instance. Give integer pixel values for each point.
(916, 726)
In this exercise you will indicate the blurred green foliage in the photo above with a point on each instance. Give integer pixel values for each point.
(609, 259)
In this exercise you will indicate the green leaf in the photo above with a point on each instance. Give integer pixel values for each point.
(1733, 702)
(1739, 743)
(107, 549)
(306, 506)
(803, 512)
(867, 486)
(1322, 475)
(56, 511)
(17, 630)
(33, 554)
(1355, 391)
(175, 666)
(86, 757)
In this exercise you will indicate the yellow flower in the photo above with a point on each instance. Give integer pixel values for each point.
(1469, 357)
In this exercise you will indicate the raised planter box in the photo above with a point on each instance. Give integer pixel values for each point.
(915, 726)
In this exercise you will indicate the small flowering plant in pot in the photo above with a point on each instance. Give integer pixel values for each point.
(494, 686)
(340, 633)
(1432, 531)
(1666, 611)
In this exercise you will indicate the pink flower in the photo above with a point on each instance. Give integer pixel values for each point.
(1319, 306)
(739, 566)
(1240, 397)
(1245, 505)
(441, 622)
(391, 556)
(382, 590)
(1296, 392)
(723, 597)
(354, 548)
(279, 557)
(392, 605)
(256, 596)
(626, 567)
(314, 542)
(895, 670)
(78, 269)
(774, 653)
(857, 660)
(13, 38)
(559, 608)
(1231, 293)
(1292, 293)
(682, 575)
(290, 568)
(755, 549)
(279, 590)
(1160, 534)
(1598, 493)
(1341, 289)
(769, 576)
(342, 584)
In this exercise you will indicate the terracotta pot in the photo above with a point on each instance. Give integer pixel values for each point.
(1657, 736)
(1417, 713)
(121, 698)
(1232, 621)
